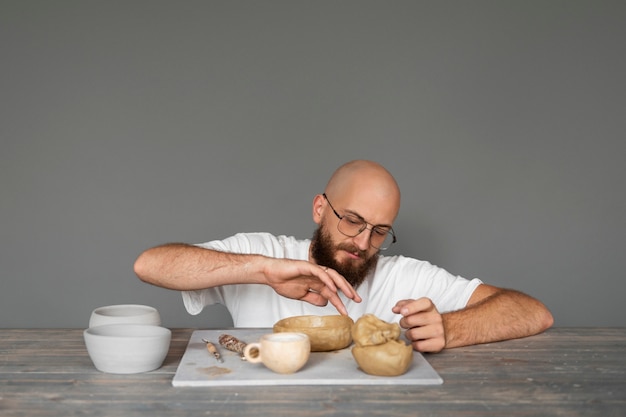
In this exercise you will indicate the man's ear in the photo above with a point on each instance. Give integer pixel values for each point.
(318, 208)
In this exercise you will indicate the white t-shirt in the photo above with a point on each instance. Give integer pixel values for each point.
(395, 278)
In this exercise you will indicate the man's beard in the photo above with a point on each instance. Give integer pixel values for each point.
(323, 251)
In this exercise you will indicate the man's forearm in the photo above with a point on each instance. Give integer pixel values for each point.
(180, 266)
(505, 314)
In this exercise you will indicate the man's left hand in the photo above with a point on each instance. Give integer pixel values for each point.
(423, 324)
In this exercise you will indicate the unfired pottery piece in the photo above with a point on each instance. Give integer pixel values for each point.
(284, 353)
(326, 333)
(377, 349)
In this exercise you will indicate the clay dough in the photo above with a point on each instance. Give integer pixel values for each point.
(378, 350)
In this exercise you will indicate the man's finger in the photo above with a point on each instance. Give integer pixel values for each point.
(315, 298)
(334, 299)
(409, 307)
(339, 282)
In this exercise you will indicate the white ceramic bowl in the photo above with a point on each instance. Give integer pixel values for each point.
(127, 348)
(125, 314)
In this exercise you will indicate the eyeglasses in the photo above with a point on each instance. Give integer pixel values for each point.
(351, 225)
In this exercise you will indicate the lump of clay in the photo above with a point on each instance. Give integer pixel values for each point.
(370, 330)
(378, 350)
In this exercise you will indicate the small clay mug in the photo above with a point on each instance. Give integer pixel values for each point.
(284, 353)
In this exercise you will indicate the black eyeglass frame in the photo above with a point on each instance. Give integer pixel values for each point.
(365, 224)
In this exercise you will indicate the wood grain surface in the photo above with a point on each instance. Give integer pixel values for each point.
(563, 372)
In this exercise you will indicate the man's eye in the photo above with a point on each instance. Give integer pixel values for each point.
(353, 220)
(380, 232)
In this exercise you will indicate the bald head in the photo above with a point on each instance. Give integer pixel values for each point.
(365, 183)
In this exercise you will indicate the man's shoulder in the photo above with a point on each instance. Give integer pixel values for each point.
(386, 264)
(269, 237)
(262, 243)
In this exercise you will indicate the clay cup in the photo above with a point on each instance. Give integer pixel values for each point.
(284, 353)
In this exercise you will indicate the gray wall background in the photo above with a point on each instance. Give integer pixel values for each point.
(126, 124)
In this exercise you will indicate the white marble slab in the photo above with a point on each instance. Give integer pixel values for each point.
(198, 368)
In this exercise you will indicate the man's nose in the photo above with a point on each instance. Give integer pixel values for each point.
(362, 240)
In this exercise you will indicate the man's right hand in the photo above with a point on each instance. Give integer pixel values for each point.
(306, 281)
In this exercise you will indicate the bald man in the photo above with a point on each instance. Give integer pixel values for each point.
(262, 278)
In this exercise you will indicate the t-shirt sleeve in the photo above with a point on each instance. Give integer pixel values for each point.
(411, 278)
(195, 301)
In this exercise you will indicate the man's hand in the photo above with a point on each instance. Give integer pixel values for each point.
(302, 280)
(423, 324)
(491, 314)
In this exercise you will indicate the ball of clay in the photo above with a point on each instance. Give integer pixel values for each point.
(326, 333)
(392, 358)
(370, 330)
(378, 350)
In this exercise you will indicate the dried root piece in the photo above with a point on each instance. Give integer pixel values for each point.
(232, 343)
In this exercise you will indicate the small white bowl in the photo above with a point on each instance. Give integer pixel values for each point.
(125, 314)
(127, 348)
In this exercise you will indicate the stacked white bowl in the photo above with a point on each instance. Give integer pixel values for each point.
(126, 339)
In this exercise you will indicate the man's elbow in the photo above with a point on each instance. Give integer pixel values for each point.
(141, 268)
(543, 318)
(547, 320)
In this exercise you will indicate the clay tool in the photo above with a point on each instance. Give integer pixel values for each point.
(213, 350)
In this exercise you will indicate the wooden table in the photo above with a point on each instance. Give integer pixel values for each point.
(563, 372)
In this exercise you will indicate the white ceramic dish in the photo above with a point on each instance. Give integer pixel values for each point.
(124, 314)
(127, 348)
